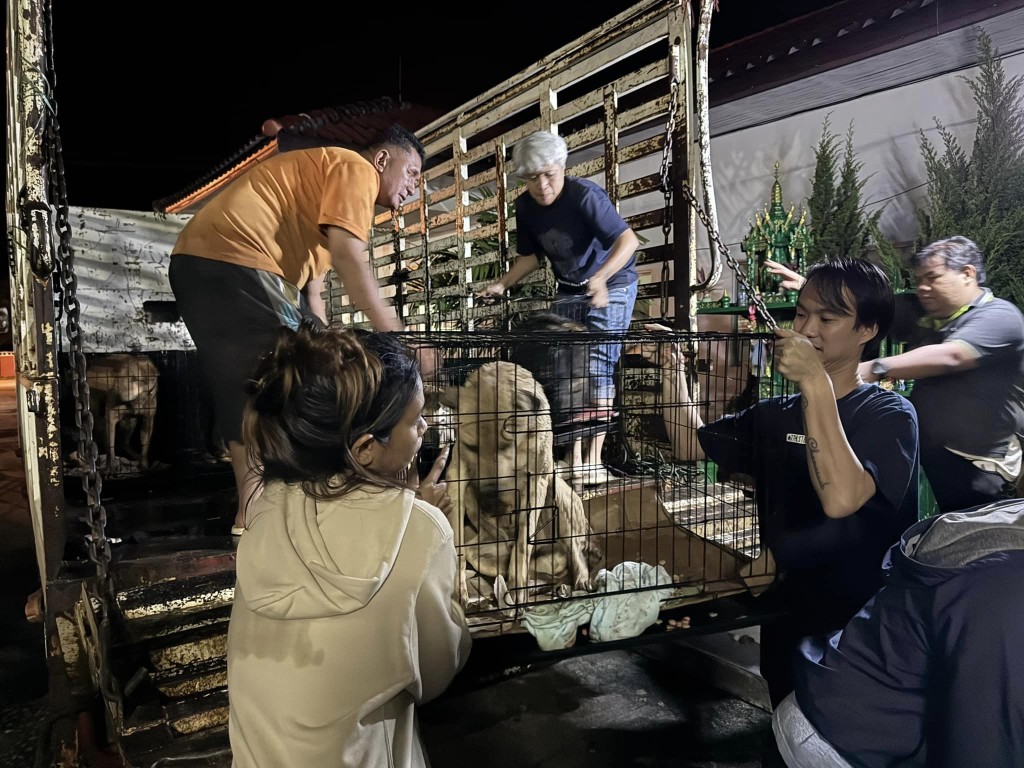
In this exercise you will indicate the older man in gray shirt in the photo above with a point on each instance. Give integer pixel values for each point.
(967, 363)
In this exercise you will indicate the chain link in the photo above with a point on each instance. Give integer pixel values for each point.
(691, 200)
(396, 258)
(753, 296)
(98, 544)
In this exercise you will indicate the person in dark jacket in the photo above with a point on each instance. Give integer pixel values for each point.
(929, 672)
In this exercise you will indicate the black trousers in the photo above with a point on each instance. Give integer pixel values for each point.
(233, 315)
(803, 613)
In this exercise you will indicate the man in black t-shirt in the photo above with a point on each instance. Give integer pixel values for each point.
(835, 467)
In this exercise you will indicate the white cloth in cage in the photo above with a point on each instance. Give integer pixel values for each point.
(554, 625)
(619, 615)
(616, 615)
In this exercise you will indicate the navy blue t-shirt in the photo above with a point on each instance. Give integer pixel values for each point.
(575, 232)
(834, 562)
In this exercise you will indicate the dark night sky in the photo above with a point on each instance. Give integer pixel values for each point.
(153, 96)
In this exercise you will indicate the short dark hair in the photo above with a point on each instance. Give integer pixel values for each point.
(399, 376)
(315, 395)
(956, 253)
(836, 279)
(399, 137)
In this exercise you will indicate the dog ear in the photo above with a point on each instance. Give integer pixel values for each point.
(531, 399)
(531, 404)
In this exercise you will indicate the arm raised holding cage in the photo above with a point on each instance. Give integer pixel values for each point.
(834, 466)
(679, 411)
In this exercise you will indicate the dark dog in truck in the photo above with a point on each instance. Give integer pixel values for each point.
(123, 391)
(562, 369)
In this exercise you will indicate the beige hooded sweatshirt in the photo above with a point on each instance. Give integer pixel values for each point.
(345, 617)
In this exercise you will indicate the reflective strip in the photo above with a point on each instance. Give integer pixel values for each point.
(1007, 467)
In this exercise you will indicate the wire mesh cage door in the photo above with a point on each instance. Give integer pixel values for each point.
(541, 546)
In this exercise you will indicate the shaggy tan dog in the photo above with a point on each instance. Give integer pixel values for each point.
(504, 489)
(123, 387)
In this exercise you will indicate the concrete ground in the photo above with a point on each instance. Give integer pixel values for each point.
(614, 709)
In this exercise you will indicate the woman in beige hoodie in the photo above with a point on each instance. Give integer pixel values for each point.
(345, 614)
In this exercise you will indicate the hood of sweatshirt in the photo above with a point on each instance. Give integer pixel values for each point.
(306, 559)
(943, 546)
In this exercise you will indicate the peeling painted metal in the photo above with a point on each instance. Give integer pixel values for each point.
(67, 645)
(196, 685)
(121, 260)
(201, 721)
(46, 329)
(52, 454)
(191, 652)
(185, 604)
(186, 626)
(35, 220)
(68, 756)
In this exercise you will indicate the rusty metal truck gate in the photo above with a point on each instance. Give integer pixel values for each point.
(139, 623)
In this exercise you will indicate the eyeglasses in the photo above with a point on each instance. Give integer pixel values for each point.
(548, 175)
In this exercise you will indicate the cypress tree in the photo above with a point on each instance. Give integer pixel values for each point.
(838, 221)
(823, 194)
(849, 224)
(981, 196)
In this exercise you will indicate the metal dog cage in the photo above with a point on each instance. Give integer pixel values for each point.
(541, 548)
(161, 416)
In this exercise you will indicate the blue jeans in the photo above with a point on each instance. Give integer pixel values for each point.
(610, 319)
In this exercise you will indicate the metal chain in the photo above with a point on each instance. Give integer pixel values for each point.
(428, 284)
(754, 296)
(396, 257)
(666, 222)
(92, 482)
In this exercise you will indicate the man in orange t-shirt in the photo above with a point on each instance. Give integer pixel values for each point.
(254, 259)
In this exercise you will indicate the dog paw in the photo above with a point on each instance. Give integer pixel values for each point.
(585, 584)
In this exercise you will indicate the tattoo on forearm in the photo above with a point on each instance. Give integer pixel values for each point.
(803, 401)
(812, 454)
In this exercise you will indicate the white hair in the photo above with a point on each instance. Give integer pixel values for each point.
(537, 151)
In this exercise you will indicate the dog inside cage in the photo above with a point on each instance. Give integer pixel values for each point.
(537, 549)
(556, 367)
(123, 391)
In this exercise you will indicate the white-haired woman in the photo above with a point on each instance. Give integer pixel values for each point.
(574, 224)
